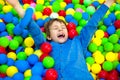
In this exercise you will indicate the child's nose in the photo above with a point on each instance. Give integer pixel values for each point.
(60, 28)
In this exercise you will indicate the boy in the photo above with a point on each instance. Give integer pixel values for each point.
(68, 54)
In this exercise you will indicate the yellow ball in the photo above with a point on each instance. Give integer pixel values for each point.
(96, 53)
(63, 5)
(40, 1)
(38, 15)
(29, 51)
(116, 56)
(25, 6)
(11, 71)
(44, 17)
(99, 33)
(70, 11)
(12, 55)
(38, 53)
(97, 41)
(6, 8)
(88, 66)
(1, 20)
(99, 59)
(29, 42)
(117, 12)
(118, 1)
(96, 68)
(62, 18)
(27, 73)
(110, 56)
(94, 76)
(101, 1)
(2, 2)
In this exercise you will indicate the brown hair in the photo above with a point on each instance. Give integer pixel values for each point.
(49, 23)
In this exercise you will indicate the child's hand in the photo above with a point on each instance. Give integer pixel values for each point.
(13, 2)
(109, 2)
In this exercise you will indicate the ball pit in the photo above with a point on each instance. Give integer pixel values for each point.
(19, 60)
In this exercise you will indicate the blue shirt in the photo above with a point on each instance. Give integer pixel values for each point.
(69, 56)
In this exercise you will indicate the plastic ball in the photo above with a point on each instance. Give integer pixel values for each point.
(2, 26)
(62, 5)
(3, 68)
(87, 2)
(99, 33)
(116, 47)
(70, 11)
(18, 76)
(77, 16)
(29, 51)
(12, 55)
(110, 56)
(71, 26)
(43, 56)
(118, 32)
(21, 56)
(72, 33)
(112, 17)
(90, 60)
(117, 24)
(85, 15)
(36, 77)
(38, 53)
(111, 30)
(107, 21)
(96, 68)
(104, 40)
(10, 62)
(47, 11)
(2, 50)
(97, 41)
(18, 38)
(27, 78)
(101, 1)
(82, 22)
(62, 13)
(4, 41)
(29, 42)
(6, 8)
(40, 2)
(38, 15)
(27, 1)
(68, 1)
(78, 29)
(103, 74)
(46, 47)
(3, 58)
(53, 15)
(51, 74)
(99, 59)
(92, 47)
(22, 65)
(90, 10)
(107, 65)
(117, 7)
(11, 70)
(106, 34)
(39, 7)
(115, 64)
(68, 18)
(27, 73)
(108, 46)
(56, 7)
(2, 75)
(32, 59)
(48, 62)
(13, 44)
(10, 27)
(8, 17)
(113, 38)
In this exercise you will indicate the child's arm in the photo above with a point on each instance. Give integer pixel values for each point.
(88, 31)
(33, 28)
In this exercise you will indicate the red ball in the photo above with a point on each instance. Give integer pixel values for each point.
(112, 77)
(118, 56)
(2, 75)
(2, 50)
(46, 47)
(81, 1)
(117, 24)
(27, 1)
(71, 26)
(68, 1)
(72, 33)
(62, 13)
(114, 73)
(106, 34)
(47, 11)
(43, 56)
(51, 74)
(103, 74)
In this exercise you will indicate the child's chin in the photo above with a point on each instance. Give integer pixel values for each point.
(62, 41)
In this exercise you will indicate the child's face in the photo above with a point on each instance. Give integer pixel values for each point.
(58, 32)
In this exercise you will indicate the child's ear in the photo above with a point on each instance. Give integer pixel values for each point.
(49, 38)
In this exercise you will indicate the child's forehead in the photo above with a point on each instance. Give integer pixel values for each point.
(57, 23)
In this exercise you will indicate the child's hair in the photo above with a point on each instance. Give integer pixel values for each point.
(49, 23)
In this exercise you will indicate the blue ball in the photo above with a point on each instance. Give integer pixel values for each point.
(10, 62)
(3, 58)
(18, 76)
(17, 30)
(22, 65)
(2, 27)
(4, 33)
(107, 21)
(32, 59)
(37, 69)
(20, 49)
(24, 33)
(95, 4)
(36, 77)
(1, 16)
(8, 17)
(69, 6)
(119, 41)
(47, 19)
(112, 17)
(40, 22)
(68, 18)
(88, 54)
(1, 78)
(8, 78)
(85, 15)
(15, 20)
(111, 30)
(118, 67)
(74, 21)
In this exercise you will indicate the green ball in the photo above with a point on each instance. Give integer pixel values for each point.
(18, 38)
(118, 32)
(90, 10)
(44, 34)
(77, 16)
(10, 27)
(100, 23)
(78, 29)
(116, 47)
(3, 68)
(56, 8)
(14, 44)
(115, 64)
(14, 12)
(77, 6)
(4, 41)
(100, 48)
(92, 47)
(108, 46)
(47, 3)
(107, 65)
(90, 60)
(111, 9)
(27, 78)
(104, 40)
(82, 22)
(21, 56)
(87, 2)
(1, 7)
(103, 27)
(117, 7)
(48, 62)
(113, 38)
(39, 7)
(75, 1)
(118, 16)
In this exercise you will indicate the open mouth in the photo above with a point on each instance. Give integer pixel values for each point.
(61, 35)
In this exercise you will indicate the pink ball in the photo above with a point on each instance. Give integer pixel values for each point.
(79, 10)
